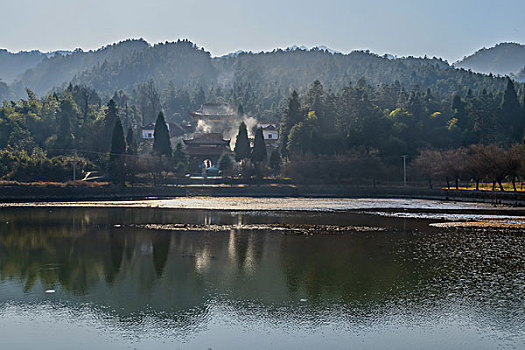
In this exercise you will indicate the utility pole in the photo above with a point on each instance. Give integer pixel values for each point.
(404, 171)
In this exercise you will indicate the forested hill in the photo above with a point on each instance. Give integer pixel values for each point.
(186, 66)
(504, 59)
(14, 64)
(183, 65)
(58, 70)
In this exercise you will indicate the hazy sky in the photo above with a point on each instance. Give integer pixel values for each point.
(448, 29)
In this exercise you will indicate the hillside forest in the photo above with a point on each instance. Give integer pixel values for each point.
(343, 117)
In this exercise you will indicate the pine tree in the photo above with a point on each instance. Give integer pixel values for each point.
(291, 117)
(275, 161)
(109, 124)
(117, 152)
(161, 137)
(242, 144)
(131, 143)
(259, 147)
(131, 159)
(225, 164)
(511, 120)
(180, 156)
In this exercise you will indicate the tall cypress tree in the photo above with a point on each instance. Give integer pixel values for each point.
(109, 123)
(259, 147)
(67, 115)
(131, 160)
(117, 152)
(161, 137)
(242, 144)
(131, 143)
(292, 116)
(512, 123)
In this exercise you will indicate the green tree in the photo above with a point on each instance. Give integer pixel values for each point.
(180, 156)
(259, 147)
(242, 143)
(67, 115)
(292, 115)
(511, 121)
(117, 171)
(131, 143)
(131, 155)
(275, 161)
(225, 165)
(110, 118)
(161, 137)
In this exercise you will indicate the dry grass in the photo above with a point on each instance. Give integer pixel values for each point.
(54, 184)
(507, 186)
(480, 224)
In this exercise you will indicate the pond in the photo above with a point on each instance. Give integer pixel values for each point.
(118, 277)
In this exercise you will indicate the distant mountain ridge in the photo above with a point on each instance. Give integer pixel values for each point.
(14, 64)
(184, 65)
(502, 59)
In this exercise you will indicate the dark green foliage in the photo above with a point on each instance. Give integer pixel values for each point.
(131, 142)
(242, 144)
(67, 116)
(259, 147)
(292, 115)
(21, 140)
(117, 170)
(161, 142)
(110, 119)
(275, 161)
(21, 166)
(180, 156)
(118, 143)
(511, 117)
(225, 164)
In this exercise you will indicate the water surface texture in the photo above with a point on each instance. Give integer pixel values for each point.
(100, 278)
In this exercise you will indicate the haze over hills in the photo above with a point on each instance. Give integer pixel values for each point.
(182, 64)
(502, 59)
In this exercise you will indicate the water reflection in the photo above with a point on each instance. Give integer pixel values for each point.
(184, 279)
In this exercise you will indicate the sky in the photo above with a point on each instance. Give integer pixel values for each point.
(446, 29)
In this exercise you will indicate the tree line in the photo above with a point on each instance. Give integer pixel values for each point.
(357, 121)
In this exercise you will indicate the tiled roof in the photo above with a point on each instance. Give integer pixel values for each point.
(214, 109)
(213, 138)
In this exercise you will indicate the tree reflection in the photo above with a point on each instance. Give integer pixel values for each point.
(161, 247)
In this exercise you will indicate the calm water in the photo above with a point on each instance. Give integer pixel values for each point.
(94, 278)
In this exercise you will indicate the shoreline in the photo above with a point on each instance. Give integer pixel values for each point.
(24, 194)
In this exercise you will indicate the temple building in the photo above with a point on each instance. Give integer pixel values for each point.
(205, 149)
(213, 117)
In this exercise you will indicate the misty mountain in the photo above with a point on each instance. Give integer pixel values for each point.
(503, 59)
(14, 64)
(183, 65)
(60, 69)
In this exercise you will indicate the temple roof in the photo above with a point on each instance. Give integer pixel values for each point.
(213, 138)
(214, 110)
